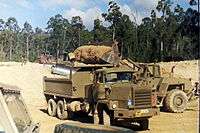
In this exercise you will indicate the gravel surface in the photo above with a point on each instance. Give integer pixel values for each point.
(30, 77)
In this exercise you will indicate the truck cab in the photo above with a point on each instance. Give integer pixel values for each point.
(116, 93)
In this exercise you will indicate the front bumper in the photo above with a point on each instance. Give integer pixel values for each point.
(135, 114)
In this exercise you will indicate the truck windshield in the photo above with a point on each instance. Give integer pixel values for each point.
(119, 76)
(18, 111)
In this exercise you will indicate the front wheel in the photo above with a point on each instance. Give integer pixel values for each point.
(144, 124)
(176, 101)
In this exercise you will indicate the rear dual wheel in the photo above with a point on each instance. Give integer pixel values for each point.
(51, 109)
(58, 109)
(61, 112)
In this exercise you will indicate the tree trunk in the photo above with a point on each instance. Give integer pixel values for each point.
(57, 51)
(1, 52)
(27, 48)
(113, 37)
(79, 37)
(10, 52)
(161, 50)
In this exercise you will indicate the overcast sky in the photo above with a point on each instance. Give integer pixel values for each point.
(37, 12)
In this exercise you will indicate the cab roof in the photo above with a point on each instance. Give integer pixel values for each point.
(116, 69)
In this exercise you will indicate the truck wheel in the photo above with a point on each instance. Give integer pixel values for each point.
(176, 101)
(144, 124)
(61, 112)
(51, 109)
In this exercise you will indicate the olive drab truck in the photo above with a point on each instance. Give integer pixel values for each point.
(67, 95)
(115, 94)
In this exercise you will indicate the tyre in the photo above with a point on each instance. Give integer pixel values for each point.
(144, 124)
(70, 114)
(176, 101)
(61, 112)
(51, 109)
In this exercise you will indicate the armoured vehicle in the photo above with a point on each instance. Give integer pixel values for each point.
(14, 116)
(173, 93)
(107, 89)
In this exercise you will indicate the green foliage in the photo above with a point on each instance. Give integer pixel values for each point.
(169, 33)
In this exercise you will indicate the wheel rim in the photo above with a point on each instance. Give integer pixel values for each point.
(178, 101)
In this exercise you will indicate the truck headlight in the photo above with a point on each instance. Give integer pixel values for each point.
(114, 106)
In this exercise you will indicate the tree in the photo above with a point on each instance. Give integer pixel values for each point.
(11, 27)
(77, 26)
(123, 30)
(58, 28)
(100, 33)
(2, 28)
(27, 31)
(113, 16)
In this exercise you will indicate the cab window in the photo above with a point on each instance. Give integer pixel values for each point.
(119, 76)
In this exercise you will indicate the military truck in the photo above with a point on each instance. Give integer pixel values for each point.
(107, 89)
(14, 116)
(173, 93)
(115, 92)
(67, 95)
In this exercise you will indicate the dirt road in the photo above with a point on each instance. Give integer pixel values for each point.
(29, 79)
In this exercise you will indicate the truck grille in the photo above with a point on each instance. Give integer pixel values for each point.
(142, 99)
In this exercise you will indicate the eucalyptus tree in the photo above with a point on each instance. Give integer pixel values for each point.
(59, 30)
(2, 38)
(77, 27)
(12, 29)
(100, 32)
(27, 31)
(113, 16)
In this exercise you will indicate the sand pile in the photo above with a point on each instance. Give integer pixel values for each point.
(29, 78)
(184, 69)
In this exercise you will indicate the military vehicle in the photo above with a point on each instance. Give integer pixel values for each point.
(106, 89)
(173, 93)
(14, 116)
(115, 92)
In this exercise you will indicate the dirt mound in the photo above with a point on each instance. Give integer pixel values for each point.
(184, 69)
